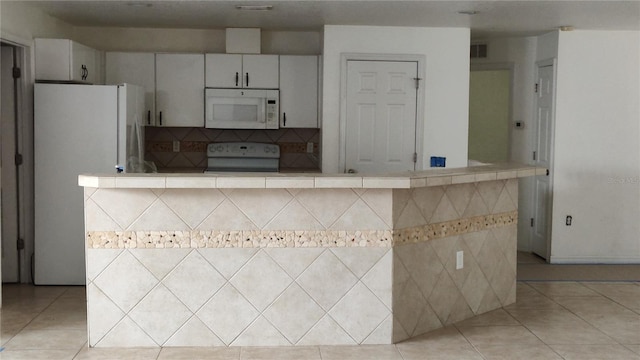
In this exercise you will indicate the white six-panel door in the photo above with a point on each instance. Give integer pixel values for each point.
(381, 116)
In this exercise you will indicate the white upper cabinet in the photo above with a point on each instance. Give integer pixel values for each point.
(137, 69)
(298, 91)
(242, 71)
(223, 70)
(260, 71)
(66, 60)
(180, 90)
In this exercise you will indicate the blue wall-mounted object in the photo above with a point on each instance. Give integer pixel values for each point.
(438, 161)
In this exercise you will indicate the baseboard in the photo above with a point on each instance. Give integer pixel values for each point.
(579, 272)
(618, 260)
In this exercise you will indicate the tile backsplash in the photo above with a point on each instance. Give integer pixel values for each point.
(193, 146)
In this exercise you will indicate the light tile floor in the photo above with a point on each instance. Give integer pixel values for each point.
(550, 320)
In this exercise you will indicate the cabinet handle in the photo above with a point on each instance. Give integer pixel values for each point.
(86, 72)
(83, 74)
(149, 117)
(160, 118)
(237, 77)
(284, 119)
(247, 79)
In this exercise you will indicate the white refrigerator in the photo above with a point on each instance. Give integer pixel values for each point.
(77, 129)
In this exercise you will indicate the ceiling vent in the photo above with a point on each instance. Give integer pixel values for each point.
(478, 51)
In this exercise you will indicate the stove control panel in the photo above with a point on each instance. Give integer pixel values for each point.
(243, 149)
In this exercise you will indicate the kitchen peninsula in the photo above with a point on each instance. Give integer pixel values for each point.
(296, 259)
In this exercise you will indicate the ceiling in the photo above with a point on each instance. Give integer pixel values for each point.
(496, 18)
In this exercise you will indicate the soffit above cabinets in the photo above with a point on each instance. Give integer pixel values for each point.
(491, 18)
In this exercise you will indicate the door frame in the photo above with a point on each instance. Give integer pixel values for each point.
(420, 99)
(9, 138)
(549, 214)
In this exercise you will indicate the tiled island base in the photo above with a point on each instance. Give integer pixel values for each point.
(243, 267)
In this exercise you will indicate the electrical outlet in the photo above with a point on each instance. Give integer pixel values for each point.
(176, 146)
(310, 147)
(459, 260)
(569, 220)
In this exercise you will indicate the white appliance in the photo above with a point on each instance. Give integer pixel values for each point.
(241, 109)
(77, 129)
(242, 157)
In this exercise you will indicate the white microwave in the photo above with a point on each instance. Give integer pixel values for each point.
(241, 109)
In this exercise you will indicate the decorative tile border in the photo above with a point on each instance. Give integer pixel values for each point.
(294, 239)
(236, 239)
(453, 228)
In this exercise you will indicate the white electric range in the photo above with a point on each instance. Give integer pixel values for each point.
(242, 157)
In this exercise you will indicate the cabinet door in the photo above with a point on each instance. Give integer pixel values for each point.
(137, 69)
(180, 90)
(260, 71)
(66, 60)
(83, 63)
(223, 70)
(298, 91)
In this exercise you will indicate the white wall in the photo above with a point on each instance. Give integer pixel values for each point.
(192, 40)
(20, 23)
(446, 83)
(547, 46)
(597, 148)
(489, 120)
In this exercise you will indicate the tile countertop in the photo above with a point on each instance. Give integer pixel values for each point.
(406, 180)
